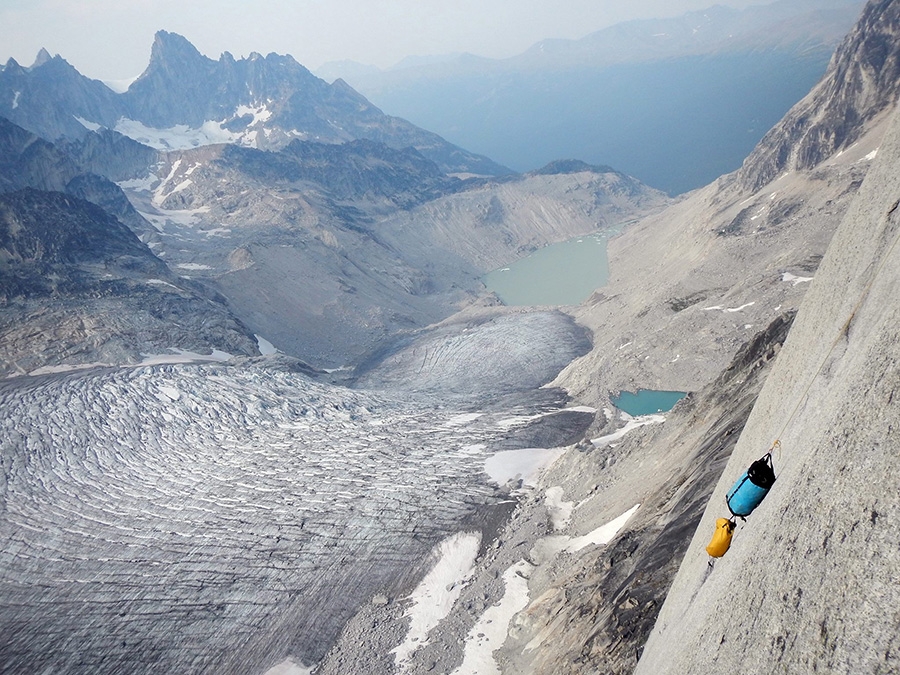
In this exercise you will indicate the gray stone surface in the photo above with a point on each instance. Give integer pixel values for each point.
(810, 583)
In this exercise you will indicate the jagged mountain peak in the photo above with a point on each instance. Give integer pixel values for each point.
(167, 45)
(184, 99)
(42, 57)
(862, 82)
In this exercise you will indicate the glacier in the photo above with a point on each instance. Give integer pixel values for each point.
(222, 516)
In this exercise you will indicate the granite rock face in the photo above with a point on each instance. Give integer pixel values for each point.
(809, 584)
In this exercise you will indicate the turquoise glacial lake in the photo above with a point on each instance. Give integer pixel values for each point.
(647, 401)
(560, 274)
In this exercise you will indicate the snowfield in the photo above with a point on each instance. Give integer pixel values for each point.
(219, 517)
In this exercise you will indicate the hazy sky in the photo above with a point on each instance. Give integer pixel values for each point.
(111, 39)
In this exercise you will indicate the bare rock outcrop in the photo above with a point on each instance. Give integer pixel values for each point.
(862, 83)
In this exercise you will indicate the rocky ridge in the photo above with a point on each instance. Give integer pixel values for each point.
(862, 84)
(184, 99)
(729, 257)
(78, 286)
(363, 221)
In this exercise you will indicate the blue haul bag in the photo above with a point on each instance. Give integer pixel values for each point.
(750, 489)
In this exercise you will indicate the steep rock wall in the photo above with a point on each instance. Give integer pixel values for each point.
(809, 584)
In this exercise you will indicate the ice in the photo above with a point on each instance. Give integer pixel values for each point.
(179, 137)
(233, 503)
(436, 594)
(462, 419)
(67, 368)
(183, 356)
(170, 392)
(289, 667)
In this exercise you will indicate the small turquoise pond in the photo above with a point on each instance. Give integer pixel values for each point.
(560, 274)
(647, 401)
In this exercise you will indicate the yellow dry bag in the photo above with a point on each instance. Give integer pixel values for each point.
(721, 538)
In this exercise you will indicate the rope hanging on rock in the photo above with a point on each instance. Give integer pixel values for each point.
(744, 496)
(751, 488)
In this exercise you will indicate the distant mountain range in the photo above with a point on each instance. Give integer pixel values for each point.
(260, 200)
(674, 102)
(184, 99)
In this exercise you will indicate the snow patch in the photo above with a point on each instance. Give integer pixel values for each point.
(436, 594)
(260, 114)
(548, 548)
(492, 629)
(15, 101)
(182, 186)
(139, 184)
(160, 282)
(603, 534)
(120, 86)
(525, 464)
(217, 232)
(87, 124)
(193, 266)
(794, 279)
(872, 155)
(265, 347)
(631, 423)
(729, 309)
(186, 217)
(560, 511)
(179, 137)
